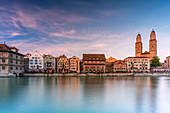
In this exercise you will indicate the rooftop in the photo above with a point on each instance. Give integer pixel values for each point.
(95, 57)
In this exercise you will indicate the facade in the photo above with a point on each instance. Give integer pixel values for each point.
(109, 67)
(74, 64)
(138, 64)
(11, 61)
(81, 65)
(56, 60)
(94, 63)
(36, 62)
(63, 64)
(119, 66)
(26, 62)
(109, 64)
(152, 46)
(168, 62)
(164, 64)
(49, 62)
(110, 59)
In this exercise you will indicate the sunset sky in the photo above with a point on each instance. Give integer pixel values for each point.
(74, 27)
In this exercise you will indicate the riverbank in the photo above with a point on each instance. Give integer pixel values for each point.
(94, 74)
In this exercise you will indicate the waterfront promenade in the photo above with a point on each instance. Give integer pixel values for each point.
(95, 75)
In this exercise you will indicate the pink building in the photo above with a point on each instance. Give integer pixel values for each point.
(74, 64)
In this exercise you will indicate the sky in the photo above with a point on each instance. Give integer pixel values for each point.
(74, 27)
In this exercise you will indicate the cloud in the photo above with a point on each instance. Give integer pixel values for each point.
(38, 18)
(64, 34)
(15, 34)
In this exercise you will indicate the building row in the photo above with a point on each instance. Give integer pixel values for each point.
(11, 61)
(91, 63)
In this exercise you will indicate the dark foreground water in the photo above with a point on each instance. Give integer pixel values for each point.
(85, 95)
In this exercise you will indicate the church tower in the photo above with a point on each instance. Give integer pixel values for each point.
(138, 46)
(153, 45)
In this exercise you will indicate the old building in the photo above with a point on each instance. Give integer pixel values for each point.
(109, 67)
(81, 65)
(11, 61)
(109, 64)
(138, 64)
(94, 63)
(36, 62)
(152, 46)
(168, 62)
(63, 64)
(74, 64)
(26, 62)
(56, 60)
(164, 64)
(111, 59)
(119, 66)
(49, 62)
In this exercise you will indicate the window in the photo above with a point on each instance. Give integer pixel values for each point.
(16, 56)
(11, 68)
(3, 60)
(11, 61)
(11, 55)
(16, 68)
(21, 68)
(3, 67)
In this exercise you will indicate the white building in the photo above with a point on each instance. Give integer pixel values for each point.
(138, 64)
(35, 62)
(11, 61)
(74, 64)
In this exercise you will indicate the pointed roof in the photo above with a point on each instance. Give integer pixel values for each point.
(152, 35)
(138, 38)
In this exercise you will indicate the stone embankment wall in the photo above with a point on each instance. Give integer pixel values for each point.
(76, 74)
(99, 75)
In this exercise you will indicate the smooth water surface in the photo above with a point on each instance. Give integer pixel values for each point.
(85, 95)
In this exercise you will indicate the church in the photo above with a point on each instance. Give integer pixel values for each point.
(152, 46)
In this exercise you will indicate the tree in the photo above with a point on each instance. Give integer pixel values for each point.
(155, 62)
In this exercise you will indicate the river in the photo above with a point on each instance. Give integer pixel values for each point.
(85, 95)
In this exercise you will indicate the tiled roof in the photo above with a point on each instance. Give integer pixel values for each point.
(94, 57)
(4, 47)
(13, 48)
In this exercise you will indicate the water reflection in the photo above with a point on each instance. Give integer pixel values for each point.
(85, 94)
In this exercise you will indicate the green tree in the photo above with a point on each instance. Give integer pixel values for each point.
(155, 62)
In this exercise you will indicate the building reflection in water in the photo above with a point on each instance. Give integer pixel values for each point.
(86, 94)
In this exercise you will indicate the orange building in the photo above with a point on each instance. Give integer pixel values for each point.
(111, 59)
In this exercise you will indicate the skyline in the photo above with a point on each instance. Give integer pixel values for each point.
(77, 27)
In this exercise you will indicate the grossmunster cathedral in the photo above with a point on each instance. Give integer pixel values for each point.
(152, 46)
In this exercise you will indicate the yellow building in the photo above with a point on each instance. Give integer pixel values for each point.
(63, 64)
(111, 59)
